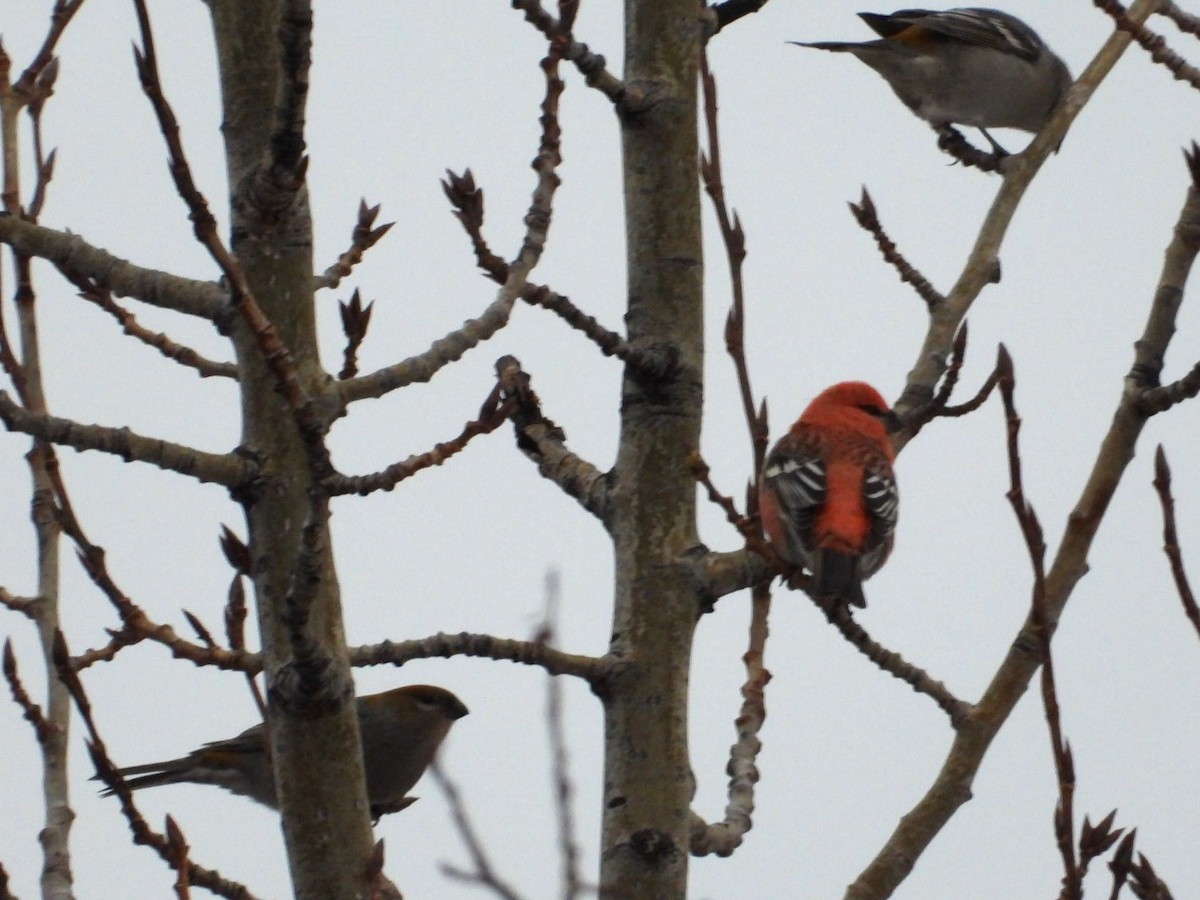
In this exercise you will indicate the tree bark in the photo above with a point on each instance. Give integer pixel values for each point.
(648, 780)
(316, 751)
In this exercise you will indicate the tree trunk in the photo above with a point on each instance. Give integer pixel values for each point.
(318, 763)
(648, 783)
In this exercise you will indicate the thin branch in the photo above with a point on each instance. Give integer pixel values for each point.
(172, 350)
(1153, 43)
(1044, 627)
(1162, 485)
(545, 443)
(106, 772)
(277, 356)
(492, 415)
(1184, 21)
(43, 728)
(27, 606)
(722, 838)
(356, 319)
(362, 238)
(76, 258)
(734, 238)
(225, 469)
(896, 665)
(563, 788)
(483, 875)
(592, 669)
(626, 99)
(453, 345)
(609, 342)
(868, 218)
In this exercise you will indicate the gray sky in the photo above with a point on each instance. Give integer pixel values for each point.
(403, 91)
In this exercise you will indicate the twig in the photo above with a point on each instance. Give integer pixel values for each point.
(362, 238)
(483, 875)
(27, 606)
(1152, 43)
(563, 788)
(177, 857)
(277, 356)
(734, 238)
(722, 838)
(1184, 21)
(894, 664)
(1043, 627)
(356, 318)
(545, 443)
(172, 350)
(626, 99)
(107, 772)
(474, 331)
(868, 218)
(1162, 484)
(492, 415)
(43, 728)
(609, 342)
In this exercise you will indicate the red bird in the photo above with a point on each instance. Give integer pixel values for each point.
(827, 494)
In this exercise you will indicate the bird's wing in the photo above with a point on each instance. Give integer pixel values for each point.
(981, 27)
(882, 499)
(796, 475)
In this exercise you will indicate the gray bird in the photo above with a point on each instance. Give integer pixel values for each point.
(969, 66)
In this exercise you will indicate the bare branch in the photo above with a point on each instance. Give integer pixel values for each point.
(277, 356)
(76, 258)
(106, 772)
(27, 606)
(483, 875)
(545, 443)
(1044, 627)
(225, 469)
(734, 238)
(362, 238)
(609, 342)
(1162, 485)
(42, 727)
(356, 319)
(1153, 43)
(452, 346)
(172, 350)
(591, 669)
(627, 100)
(865, 214)
(722, 838)
(492, 415)
(1184, 21)
(896, 665)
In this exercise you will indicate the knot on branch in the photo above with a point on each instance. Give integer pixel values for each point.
(653, 845)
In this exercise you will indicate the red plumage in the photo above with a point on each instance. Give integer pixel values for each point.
(828, 495)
